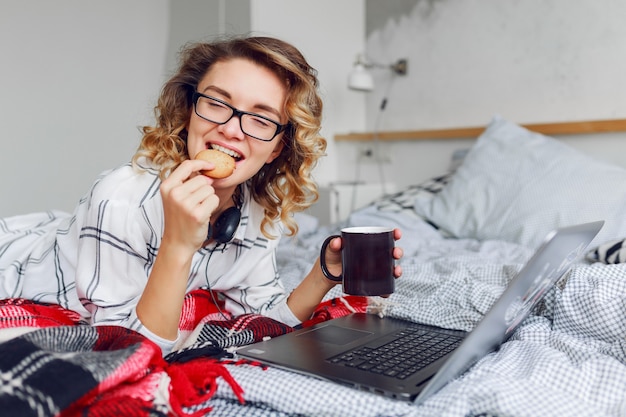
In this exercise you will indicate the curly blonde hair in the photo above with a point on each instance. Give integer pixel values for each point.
(285, 185)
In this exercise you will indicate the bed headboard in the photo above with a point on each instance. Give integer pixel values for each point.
(558, 128)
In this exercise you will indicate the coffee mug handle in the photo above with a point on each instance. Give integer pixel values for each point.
(325, 270)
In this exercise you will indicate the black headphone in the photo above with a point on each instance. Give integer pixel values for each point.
(227, 223)
(225, 226)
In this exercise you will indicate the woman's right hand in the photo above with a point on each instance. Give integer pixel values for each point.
(189, 199)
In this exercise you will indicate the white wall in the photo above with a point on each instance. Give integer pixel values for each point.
(531, 61)
(77, 79)
(330, 34)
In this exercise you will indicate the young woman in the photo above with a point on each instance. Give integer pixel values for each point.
(149, 232)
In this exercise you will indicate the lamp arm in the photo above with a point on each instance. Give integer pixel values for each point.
(399, 67)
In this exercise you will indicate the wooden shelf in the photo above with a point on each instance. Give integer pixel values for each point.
(559, 128)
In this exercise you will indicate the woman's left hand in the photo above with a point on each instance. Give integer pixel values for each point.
(398, 253)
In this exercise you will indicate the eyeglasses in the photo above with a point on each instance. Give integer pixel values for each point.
(254, 125)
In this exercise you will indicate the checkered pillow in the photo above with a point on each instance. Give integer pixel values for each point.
(613, 252)
(404, 201)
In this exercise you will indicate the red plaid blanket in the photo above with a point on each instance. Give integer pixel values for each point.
(62, 366)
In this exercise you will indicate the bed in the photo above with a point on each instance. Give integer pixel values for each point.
(466, 233)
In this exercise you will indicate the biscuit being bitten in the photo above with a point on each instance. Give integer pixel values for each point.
(224, 164)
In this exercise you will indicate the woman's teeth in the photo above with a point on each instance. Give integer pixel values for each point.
(226, 151)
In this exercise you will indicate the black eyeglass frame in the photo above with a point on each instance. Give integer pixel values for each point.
(237, 113)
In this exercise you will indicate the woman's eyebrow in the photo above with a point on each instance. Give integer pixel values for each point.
(225, 93)
(217, 90)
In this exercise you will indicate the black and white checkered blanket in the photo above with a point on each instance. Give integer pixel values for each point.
(567, 359)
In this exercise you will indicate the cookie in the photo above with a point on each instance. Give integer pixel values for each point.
(224, 164)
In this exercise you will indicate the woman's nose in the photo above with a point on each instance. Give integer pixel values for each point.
(232, 128)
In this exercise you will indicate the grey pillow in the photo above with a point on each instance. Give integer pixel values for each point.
(517, 185)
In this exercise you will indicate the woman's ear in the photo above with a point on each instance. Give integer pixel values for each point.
(277, 150)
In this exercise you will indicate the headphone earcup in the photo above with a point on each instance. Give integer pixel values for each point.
(225, 226)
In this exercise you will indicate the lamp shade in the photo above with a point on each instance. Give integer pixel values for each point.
(360, 78)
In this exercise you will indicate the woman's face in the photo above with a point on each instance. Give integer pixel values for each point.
(247, 87)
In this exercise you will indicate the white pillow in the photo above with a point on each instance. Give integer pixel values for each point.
(517, 185)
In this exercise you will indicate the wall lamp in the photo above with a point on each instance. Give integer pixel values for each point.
(360, 78)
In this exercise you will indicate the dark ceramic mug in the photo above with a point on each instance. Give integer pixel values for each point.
(367, 260)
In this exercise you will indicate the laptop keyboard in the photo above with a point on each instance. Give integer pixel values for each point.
(412, 350)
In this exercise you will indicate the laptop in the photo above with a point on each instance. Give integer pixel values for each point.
(369, 353)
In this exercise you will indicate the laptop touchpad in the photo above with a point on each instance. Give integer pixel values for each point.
(334, 334)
